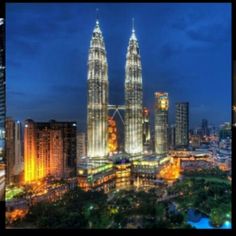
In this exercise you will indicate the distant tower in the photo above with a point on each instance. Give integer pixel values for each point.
(97, 108)
(161, 123)
(205, 129)
(182, 125)
(146, 130)
(133, 99)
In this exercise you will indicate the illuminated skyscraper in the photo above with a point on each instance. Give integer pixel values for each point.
(146, 130)
(161, 123)
(133, 99)
(30, 153)
(2, 88)
(49, 149)
(14, 152)
(182, 125)
(97, 105)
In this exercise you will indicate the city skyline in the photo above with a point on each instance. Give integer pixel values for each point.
(65, 57)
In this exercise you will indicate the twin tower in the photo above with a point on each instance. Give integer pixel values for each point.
(97, 103)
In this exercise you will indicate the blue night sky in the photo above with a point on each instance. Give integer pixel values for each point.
(185, 51)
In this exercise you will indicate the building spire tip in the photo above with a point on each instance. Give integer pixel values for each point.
(97, 16)
(133, 30)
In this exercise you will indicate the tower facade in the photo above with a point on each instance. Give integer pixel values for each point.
(97, 104)
(182, 125)
(161, 123)
(133, 99)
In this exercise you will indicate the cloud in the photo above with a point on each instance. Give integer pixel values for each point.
(170, 49)
(212, 33)
(26, 47)
(180, 23)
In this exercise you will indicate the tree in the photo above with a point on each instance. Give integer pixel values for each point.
(217, 217)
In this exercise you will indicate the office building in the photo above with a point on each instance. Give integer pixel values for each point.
(161, 123)
(182, 125)
(49, 149)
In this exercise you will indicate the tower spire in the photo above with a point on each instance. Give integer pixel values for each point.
(97, 16)
(133, 36)
(133, 30)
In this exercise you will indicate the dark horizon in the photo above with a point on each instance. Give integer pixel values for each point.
(185, 51)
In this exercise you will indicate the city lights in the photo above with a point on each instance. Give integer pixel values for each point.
(148, 167)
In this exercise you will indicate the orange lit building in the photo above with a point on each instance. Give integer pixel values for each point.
(30, 154)
(49, 149)
(112, 135)
(56, 153)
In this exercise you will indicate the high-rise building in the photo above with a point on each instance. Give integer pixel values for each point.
(205, 129)
(30, 153)
(97, 105)
(161, 123)
(49, 149)
(112, 135)
(146, 130)
(133, 99)
(225, 131)
(182, 125)
(2, 89)
(81, 146)
(171, 135)
(14, 154)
